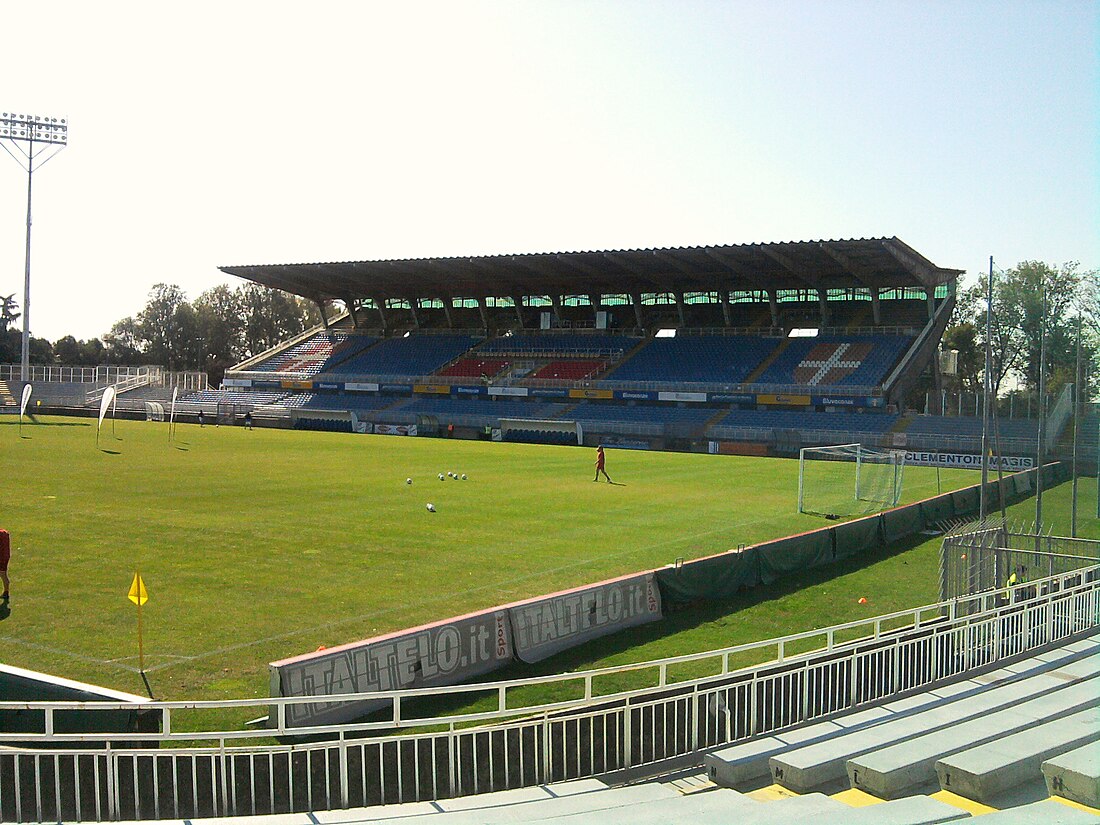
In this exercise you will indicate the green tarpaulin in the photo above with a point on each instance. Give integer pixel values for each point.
(966, 502)
(789, 555)
(902, 523)
(855, 537)
(937, 509)
(715, 577)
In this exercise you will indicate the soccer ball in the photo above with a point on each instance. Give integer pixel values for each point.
(454, 476)
(450, 475)
(463, 476)
(431, 507)
(441, 476)
(408, 481)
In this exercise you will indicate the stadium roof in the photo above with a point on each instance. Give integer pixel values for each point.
(833, 264)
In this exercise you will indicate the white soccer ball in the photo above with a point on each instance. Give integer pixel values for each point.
(441, 476)
(463, 476)
(408, 481)
(431, 507)
(454, 476)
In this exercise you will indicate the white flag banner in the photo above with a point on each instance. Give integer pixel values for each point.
(172, 414)
(108, 397)
(26, 400)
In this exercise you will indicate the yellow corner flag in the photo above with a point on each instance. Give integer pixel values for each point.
(138, 595)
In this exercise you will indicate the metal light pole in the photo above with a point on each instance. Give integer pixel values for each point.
(27, 138)
(987, 385)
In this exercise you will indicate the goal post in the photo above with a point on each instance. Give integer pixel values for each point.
(848, 479)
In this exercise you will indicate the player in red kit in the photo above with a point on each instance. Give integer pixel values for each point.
(600, 465)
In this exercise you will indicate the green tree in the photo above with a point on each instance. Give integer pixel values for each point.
(167, 328)
(220, 330)
(123, 343)
(271, 316)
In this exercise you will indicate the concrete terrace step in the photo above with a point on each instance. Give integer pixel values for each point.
(909, 765)
(984, 771)
(740, 764)
(1047, 812)
(911, 810)
(815, 765)
(1075, 775)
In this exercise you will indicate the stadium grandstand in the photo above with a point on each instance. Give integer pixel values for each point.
(928, 714)
(754, 348)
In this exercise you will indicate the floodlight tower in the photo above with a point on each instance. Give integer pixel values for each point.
(31, 140)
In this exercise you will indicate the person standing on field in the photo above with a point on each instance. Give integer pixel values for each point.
(600, 465)
(5, 557)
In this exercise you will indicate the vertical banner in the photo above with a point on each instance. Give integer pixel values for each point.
(105, 402)
(23, 404)
(172, 415)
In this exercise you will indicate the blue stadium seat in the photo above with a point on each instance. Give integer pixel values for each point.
(712, 359)
(836, 361)
(410, 356)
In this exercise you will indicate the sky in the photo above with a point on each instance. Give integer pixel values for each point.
(210, 134)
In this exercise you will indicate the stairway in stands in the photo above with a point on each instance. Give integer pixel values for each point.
(6, 398)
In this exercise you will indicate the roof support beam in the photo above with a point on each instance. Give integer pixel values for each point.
(448, 304)
(738, 269)
(517, 299)
(555, 304)
(724, 300)
(594, 299)
(876, 315)
(380, 305)
(353, 311)
(910, 261)
(773, 305)
(636, 301)
(481, 307)
(321, 309)
(680, 308)
(823, 306)
(856, 270)
(785, 261)
(412, 308)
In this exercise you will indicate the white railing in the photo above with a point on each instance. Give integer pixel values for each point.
(794, 680)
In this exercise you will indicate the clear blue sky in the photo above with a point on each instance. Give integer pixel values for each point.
(215, 133)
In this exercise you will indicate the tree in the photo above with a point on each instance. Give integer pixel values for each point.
(1017, 321)
(167, 330)
(220, 329)
(8, 315)
(271, 316)
(123, 343)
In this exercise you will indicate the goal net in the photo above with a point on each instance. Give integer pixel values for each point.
(848, 480)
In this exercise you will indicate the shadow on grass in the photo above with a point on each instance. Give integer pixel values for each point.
(678, 618)
(5, 611)
(110, 452)
(46, 424)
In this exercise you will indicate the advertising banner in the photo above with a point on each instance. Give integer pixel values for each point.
(549, 625)
(517, 391)
(296, 385)
(844, 401)
(397, 389)
(236, 382)
(267, 384)
(444, 653)
(968, 460)
(328, 385)
(546, 392)
(395, 429)
(732, 398)
(784, 400)
(468, 390)
(354, 386)
(694, 397)
(590, 394)
(635, 395)
(432, 389)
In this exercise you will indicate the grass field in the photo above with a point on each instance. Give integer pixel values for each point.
(264, 544)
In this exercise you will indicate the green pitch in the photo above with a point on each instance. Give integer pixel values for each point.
(257, 545)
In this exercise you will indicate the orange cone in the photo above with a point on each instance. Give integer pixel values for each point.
(862, 600)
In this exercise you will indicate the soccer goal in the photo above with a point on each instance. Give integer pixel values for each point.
(848, 480)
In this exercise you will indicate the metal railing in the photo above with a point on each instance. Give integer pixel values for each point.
(796, 679)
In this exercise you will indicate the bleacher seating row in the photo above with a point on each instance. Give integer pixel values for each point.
(712, 359)
(980, 738)
(536, 436)
(791, 420)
